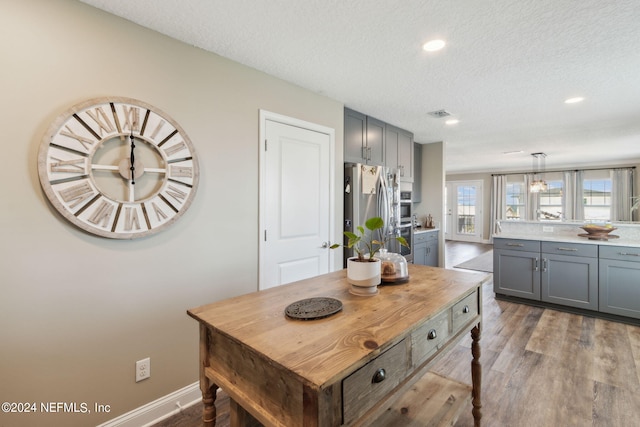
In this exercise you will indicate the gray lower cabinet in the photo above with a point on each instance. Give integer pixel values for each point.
(559, 273)
(619, 279)
(425, 248)
(569, 274)
(516, 268)
(602, 278)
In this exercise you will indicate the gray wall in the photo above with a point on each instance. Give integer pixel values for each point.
(77, 311)
(433, 181)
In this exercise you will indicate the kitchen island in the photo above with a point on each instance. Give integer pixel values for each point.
(552, 265)
(345, 369)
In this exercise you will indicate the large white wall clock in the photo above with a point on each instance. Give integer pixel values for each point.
(118, 168)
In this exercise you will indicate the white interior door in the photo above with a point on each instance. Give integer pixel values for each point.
(296, 209)
(464, 219)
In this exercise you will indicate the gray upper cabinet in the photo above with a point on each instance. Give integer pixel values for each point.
(620, 280)
(355, 130)
(363, 139)
(570, 274)
(375, 141)
(399, 152)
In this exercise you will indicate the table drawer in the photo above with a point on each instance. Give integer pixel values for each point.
(517, 244)
(572, 249)
(366, 386)
(428, 338)
(465, 310)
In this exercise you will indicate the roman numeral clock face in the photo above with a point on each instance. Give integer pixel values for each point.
(118, 168)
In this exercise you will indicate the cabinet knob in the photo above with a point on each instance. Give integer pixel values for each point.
(432, 334)
(465, 309)
(379, 376)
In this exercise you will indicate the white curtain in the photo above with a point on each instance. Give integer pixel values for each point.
(621, 194)
(532, 200)
(498, 203)
(572, 202)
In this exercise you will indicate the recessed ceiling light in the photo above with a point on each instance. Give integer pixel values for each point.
(433, 45)
(574, 100)
(452, 122)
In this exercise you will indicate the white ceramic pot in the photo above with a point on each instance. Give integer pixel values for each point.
(364, 277)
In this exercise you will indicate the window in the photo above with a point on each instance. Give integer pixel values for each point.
(466, 209)
(516, 197)
(589, 195)
(596, 196)
(550, 207)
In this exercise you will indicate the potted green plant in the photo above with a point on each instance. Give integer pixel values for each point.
(363, 270)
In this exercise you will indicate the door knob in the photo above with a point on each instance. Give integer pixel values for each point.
(325, 245)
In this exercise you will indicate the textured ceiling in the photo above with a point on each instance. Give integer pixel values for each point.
(505, 72)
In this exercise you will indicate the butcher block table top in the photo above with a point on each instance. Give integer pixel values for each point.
(320, 353)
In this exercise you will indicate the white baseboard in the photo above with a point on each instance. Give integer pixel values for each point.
(159, 409)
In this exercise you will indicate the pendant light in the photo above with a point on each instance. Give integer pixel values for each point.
(538, 184)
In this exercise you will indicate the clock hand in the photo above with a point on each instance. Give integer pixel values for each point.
(132, 158)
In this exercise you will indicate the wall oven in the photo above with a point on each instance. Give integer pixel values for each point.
(406, 230)
(406, 225)
(405, 206)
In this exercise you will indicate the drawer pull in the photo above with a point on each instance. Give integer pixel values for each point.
(519, 245)
(379, 376)
(432, 334)
(568, 249)
(628, 253)
(465, 310)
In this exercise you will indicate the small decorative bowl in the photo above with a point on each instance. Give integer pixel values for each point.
(597, 230)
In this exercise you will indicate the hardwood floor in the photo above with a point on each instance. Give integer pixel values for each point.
(459, 252)
(541, 367)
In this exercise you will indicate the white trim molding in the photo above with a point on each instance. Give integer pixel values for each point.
(158, 410)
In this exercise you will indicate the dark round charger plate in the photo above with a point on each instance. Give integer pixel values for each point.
(313, 308)
(599, 236)
(394, 281)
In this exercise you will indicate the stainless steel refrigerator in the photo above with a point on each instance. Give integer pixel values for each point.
(372, 191)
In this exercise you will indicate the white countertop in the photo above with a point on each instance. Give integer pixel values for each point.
(570, 239)
(629, 234)
(424, 230)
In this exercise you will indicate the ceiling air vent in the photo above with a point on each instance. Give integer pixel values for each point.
(439, 114)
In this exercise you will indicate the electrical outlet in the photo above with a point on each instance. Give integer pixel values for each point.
(547, 229)
(143, 369)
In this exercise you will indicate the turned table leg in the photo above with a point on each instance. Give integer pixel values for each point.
(476, 376)
(208, 389)
(209, 409)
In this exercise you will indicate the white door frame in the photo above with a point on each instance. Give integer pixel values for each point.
(452, 206)
(275, 117)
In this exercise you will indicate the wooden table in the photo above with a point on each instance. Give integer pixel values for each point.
(346, 369)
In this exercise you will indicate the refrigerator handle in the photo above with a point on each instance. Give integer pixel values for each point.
(383, 201)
